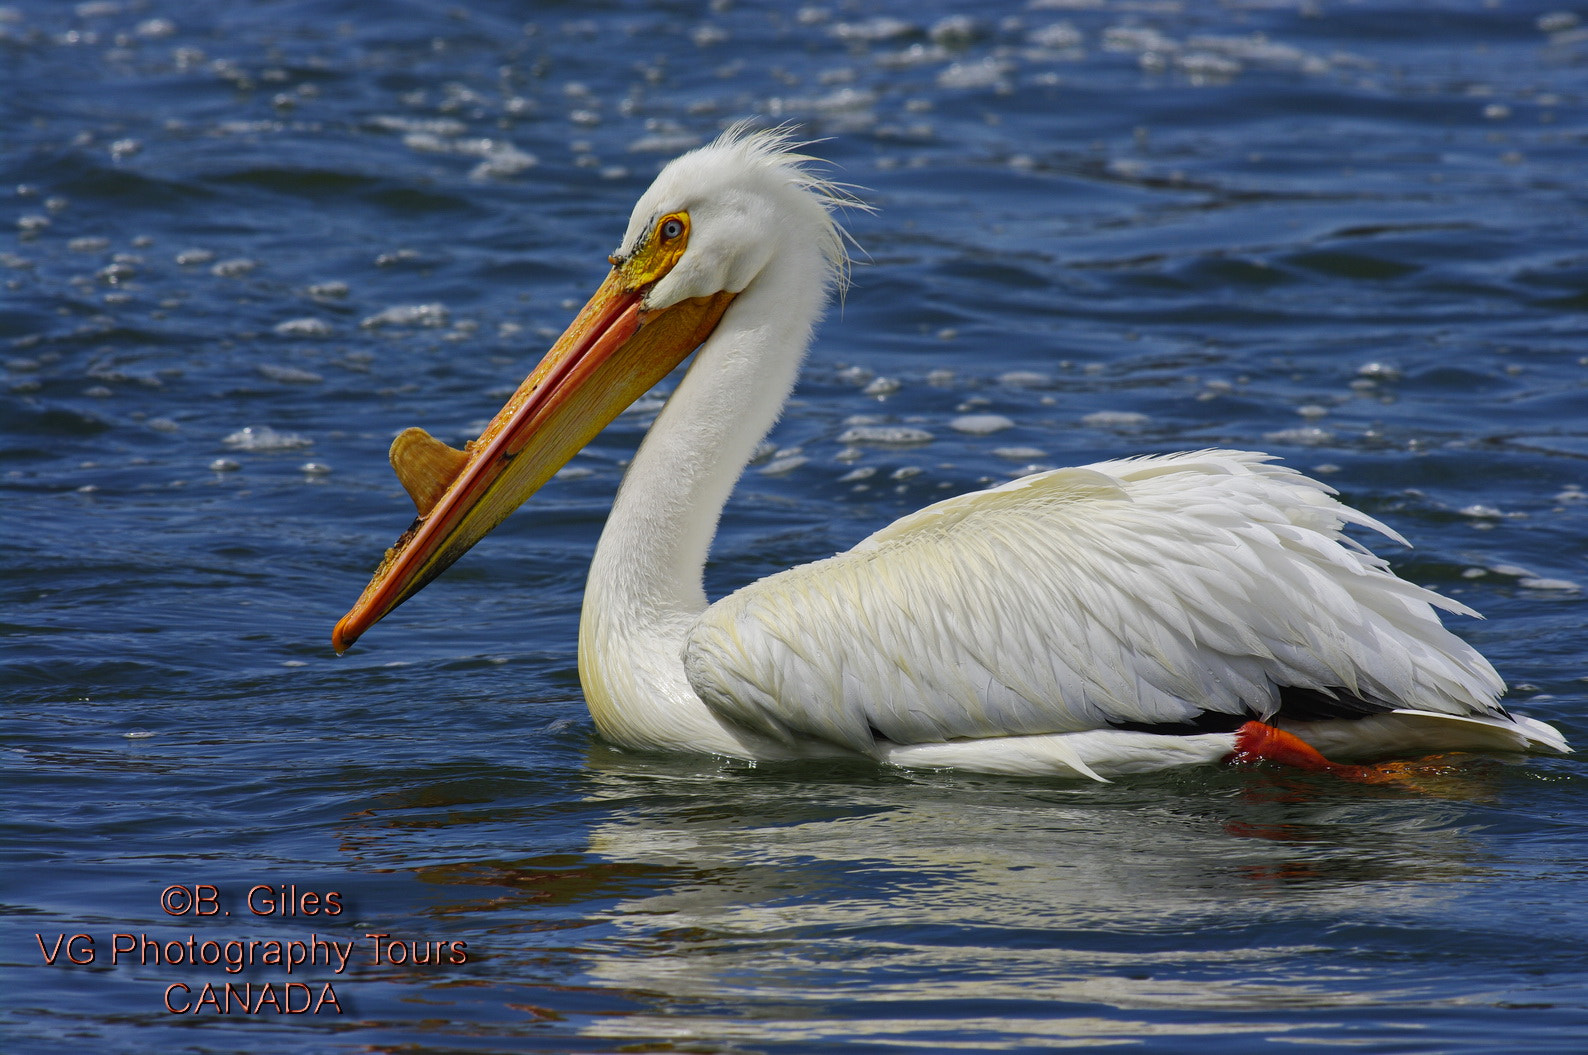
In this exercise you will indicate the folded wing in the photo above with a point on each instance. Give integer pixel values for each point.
(1145, 592)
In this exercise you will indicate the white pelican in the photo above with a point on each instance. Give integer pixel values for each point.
(1108, 619)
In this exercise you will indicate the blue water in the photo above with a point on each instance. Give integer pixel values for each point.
(243, 244)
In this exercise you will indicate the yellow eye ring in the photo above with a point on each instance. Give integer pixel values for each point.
(653, 258)
(657, 254)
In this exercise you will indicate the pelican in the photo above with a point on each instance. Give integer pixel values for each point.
(1109, 619)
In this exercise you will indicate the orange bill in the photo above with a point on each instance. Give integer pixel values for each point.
(613, 353)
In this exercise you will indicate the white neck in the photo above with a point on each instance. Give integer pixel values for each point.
(645, 586)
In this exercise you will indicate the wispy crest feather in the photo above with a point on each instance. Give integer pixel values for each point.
(782, 148)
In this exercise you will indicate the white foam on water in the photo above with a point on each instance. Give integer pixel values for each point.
(265, 438)
(885, 434)
(981, 424)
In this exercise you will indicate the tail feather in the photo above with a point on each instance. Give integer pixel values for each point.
(1404, 732)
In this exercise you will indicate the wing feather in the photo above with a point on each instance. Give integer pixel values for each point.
(1145, 590)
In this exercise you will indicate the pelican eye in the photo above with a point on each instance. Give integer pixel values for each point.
(658, 252)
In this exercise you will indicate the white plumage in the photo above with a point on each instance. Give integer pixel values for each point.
(1071, 599)
(1107, 619)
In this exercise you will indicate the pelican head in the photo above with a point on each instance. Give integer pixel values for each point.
(718, 215)
(715, 222)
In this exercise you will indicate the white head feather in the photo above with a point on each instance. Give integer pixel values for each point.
(751, 198)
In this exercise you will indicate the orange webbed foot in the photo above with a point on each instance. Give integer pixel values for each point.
(1261, 742)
